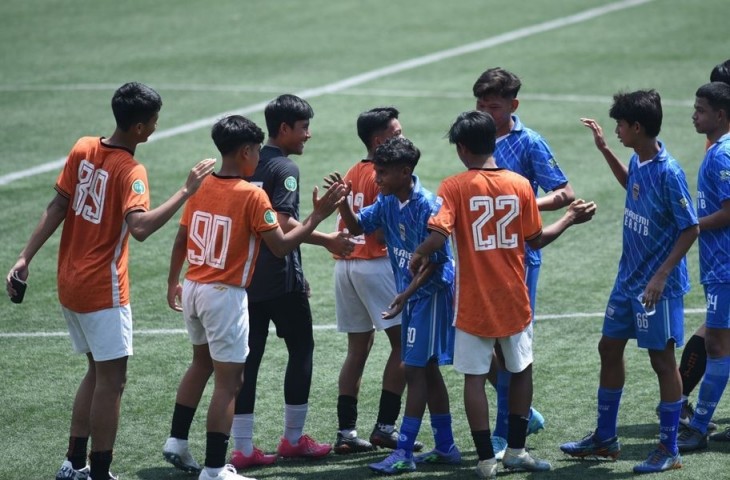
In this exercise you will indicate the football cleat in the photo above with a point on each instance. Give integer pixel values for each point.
(524, 462)
(721, 436)
(345, 445)
(257, 457)
(536, 422)
(67, 472)
(591, 446)
(381, 438)
(690, 439)
(396, 462)
(177, 453)
(306, 447)
(660, 460)
(452, 457)
(228, 473)
(487, 469)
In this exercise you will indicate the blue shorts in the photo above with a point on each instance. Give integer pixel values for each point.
(531, 274)
(427, 329)
(626, 318)
(718, 305)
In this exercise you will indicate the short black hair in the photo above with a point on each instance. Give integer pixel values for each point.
(721, 72)
(497, 81)
(717, 95)
(397, 151)
(287, 109)
(374, 121)
(232, 132)
(134, 103)
(642, 106)
(476, 131)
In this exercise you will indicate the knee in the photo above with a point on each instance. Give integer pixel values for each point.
(608, 351)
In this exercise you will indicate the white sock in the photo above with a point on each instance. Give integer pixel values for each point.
(242, 433)
(294, 418)
(213, 472)
(349, 433)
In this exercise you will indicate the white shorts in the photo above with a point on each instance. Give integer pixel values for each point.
(217, 314)
(107, 333)
(473, 354)
(363, 290)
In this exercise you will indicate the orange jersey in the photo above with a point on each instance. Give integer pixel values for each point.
(103, 184)
(490, 213)
(224, 221)
(364, 193)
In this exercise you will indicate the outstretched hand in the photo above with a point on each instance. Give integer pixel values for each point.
(333, 178)
(581, 211)
(597, 132)
(332, 198)
(201, 170)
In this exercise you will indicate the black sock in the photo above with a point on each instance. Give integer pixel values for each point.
(692, 366)
(516, 431)
(216, 446)
(389, 407)
(347, 412)
(182, 418)
(483, 443)
(100, 462)
(76, 453)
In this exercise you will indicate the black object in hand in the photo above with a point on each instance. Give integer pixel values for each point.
(19, 286)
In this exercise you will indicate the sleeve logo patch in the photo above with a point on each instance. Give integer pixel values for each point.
(138, 187)
(269, 217)
(683, 203)
(290, 183)
(724, 175)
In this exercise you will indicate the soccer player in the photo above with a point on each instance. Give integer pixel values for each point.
(712, 118)
(278, 292)
(492, 212)
(364, 284)
(102, 196)
(694, 355)
(219, 235)
(526, 152)
(425, 300)
(647, 301)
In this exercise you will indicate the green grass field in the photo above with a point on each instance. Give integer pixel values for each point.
(63, 60)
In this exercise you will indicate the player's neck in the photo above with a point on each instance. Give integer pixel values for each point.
(647, 149)
(405, 193)
(121, 139)
(713, 137)
(480, 162)
(273, 142)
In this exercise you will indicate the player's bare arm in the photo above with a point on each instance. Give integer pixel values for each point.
(50, 220)
(399, 302)
(620, 171)
(143, 224)
(655, 287)
(177, 260)
(578, 212)
(420, 258)
(718, 219)
(556, 199)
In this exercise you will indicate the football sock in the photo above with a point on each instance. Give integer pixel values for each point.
(389, 407)
(711, 389)
(668, 424)
(693, 364)
(182, 418)
(242, 433)
(608, 403)
(100, 462)
(442, 433)
(216, 446)
(346, 412)
(517, 431)
(483, 444)
(76, 453)
(408, 432)
(294, 418)
(500, 424)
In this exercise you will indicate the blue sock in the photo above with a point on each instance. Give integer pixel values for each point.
(713, 384)
(669, 424)
(500, 425)
(409, 428)
(608, 403)
(442, 434)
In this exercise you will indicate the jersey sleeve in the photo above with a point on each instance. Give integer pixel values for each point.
(262, 217)
(531, 219)
(442, 221)
(720, 174)
(677, 191)
(370, 217)
(285, 189)
(67, 179)
(135, 190)
(548, 174)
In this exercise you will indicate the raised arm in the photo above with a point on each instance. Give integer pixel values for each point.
(620, 171)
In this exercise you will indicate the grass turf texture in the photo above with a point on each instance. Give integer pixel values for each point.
(209, 58)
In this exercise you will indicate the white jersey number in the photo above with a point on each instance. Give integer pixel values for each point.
(210, 234)
(91, 186)
(501, 239)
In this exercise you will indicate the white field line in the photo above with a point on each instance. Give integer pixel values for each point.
(368, 76)
(181, 331)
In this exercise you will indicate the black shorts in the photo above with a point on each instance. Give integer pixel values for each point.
(290, 313)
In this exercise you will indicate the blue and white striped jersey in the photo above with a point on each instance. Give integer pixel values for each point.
(713, 188)
(405, 227)
(658, 208)
(526, 152)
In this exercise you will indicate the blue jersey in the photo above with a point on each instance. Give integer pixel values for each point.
(658, 208)
(713, 188)
(405, 227)
(526, 152)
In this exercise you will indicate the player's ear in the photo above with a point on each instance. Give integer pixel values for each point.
(515, 104)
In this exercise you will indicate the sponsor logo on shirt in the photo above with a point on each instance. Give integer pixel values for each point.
(269, 217)
(138, 187)
(290, 183)
(637, 223)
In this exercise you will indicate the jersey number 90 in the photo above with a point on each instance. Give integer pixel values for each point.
(210, 235)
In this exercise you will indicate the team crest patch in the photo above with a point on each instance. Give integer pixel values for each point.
(138, 187)
(635, 191)
(725, 175)
(269, 217)
(553, 163)
(290, 183)
(683, 203)
(402, 230)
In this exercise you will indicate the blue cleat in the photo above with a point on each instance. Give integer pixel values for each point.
(499, 446)
(452, 457)
(536, 422)
(660, 460)
(591, 446)
(690, 439)
(397, 462)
